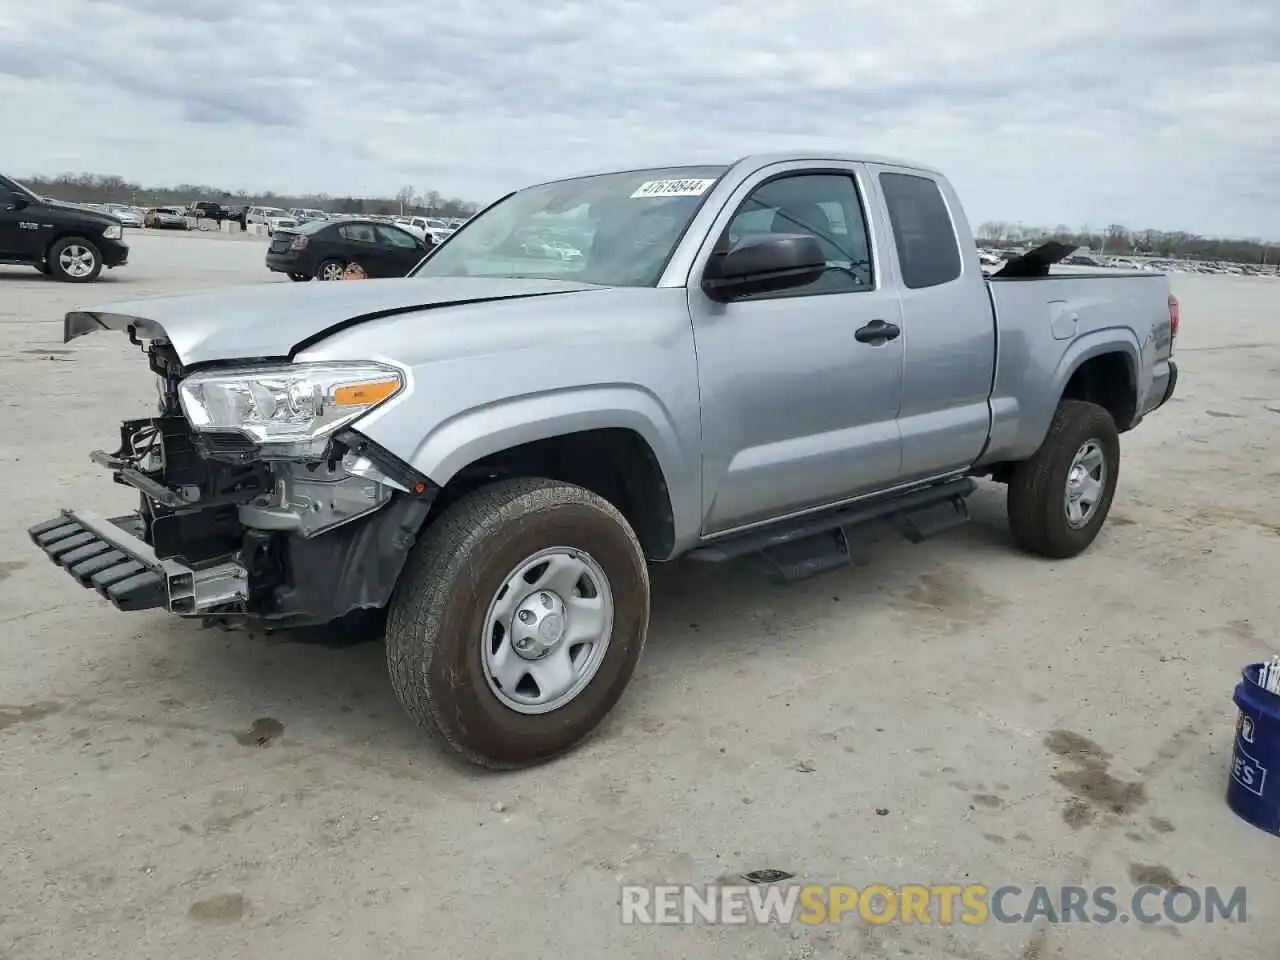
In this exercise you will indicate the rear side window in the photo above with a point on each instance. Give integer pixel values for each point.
(922, 230)
(358, 232)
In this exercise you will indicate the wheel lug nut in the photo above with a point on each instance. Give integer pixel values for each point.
(526, 616)
(546, 600)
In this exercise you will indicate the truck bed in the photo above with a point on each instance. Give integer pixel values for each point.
(1046, 324)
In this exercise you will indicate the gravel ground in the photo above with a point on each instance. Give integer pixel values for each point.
(948, 713)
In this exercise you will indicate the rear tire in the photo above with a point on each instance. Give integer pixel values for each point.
(330, 270)
(496, 574)
(1060, 498)
(74, 260)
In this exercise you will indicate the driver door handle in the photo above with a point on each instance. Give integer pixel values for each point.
(877, 332)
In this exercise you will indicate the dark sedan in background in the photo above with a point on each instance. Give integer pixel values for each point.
(323, 249)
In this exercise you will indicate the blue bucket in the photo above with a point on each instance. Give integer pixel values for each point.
(1253, 791)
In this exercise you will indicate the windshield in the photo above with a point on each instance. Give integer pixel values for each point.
(616, 229)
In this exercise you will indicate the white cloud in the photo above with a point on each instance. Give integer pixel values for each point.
(1163, 114)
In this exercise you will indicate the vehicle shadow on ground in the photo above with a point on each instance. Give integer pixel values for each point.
(331, 691)
(32, 275)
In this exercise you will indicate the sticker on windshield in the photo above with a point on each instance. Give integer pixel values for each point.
(672, 188)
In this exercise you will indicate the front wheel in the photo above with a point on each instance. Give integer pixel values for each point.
(1059, 499)
(74, 260)
(518, 621)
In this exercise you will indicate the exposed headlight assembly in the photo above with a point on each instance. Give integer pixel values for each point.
(289, 411)
(113, 232)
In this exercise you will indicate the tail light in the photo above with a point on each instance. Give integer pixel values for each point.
(1175, 314)
(299, 242)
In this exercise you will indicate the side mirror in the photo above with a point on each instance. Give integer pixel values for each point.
(764, 263)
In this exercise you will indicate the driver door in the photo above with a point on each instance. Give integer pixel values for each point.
(19, 229)
(797, 412)
(400, 251)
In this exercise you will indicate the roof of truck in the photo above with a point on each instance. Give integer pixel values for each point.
(756, 161)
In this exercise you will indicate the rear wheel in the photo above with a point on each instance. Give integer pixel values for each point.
(331, 270)
(1059, 499)
(74, 260)
(518, 621)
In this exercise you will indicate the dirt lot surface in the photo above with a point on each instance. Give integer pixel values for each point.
(950, 713)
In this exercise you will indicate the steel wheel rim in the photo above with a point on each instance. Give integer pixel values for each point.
(76, 260)
(331, 271)
(547, 630)
(1086, 482)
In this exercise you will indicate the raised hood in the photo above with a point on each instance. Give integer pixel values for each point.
(273, 321)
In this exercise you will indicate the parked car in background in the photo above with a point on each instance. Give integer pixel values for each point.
(306, 214)
(127, 215)
(61, 240)
(439, 229)
(166, 218)
(323, 250)
(207, 210)
(435, 228)
(273, 217)
(415, 225)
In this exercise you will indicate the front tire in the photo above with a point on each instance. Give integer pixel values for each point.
(518, 621)
(75, 260)
(1060, 498)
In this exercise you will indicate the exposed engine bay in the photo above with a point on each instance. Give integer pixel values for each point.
(226, 529)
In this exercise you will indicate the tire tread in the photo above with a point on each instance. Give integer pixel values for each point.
(443, 557)
(1034, 497)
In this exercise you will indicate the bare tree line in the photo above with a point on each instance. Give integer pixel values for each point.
(1118, 240)
(98, 188)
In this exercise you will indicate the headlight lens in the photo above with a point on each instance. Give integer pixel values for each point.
(113, 232)
(291, 411)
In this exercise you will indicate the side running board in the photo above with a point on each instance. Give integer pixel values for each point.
(815, 544)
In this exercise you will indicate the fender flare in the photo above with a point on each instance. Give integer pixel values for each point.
(481, 431)
(1120, 340)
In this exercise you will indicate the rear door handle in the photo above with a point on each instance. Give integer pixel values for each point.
(877, 332)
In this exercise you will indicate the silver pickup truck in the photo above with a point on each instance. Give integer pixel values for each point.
(748, 360)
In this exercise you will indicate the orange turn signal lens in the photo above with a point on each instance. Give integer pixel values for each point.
(363, 394)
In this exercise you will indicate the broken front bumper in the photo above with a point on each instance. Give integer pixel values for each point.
(108, 555)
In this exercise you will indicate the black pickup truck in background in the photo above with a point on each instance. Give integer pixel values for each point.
(61, 240)
(208, 210)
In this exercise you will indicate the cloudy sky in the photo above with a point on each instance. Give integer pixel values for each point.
(1161, 113)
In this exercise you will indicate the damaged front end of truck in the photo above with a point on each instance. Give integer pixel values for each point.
(258, 499)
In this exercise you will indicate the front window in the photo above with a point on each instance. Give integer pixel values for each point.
(616, 229)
